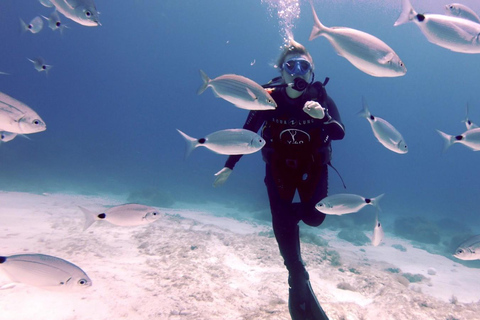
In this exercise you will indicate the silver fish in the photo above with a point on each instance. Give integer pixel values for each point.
(378, 233)
(470, 139)
(241, 91)
(83, 12)
(468, 123)
(44, 271)
(17, 117)
(35, 26)
(365, 51)
(461, 11)
(469, 249)
(6, 136)
(126, 215)
(46, 3)
(54, 22)
(344, 203)
(40, 65)
(385, 133)
(453, 33)
(229, 142)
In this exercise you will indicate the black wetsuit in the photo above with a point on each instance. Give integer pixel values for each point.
(297, 153)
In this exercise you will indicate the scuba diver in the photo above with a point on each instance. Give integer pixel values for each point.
(297, 154)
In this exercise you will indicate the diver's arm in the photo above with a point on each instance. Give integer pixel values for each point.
(333, 123)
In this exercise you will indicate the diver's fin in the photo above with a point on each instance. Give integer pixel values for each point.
(315, 311)
(309, 308)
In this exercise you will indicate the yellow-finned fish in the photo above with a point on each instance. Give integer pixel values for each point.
(244, 93)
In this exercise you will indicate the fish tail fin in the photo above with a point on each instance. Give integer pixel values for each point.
(206, 81)
(192, 143)
(89, 217)
(448, 140)
(407, 14)
(318, 27)
(365, 112)
(376, 201)
(23, 26)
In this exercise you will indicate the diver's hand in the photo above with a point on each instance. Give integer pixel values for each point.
(314, 109)
(221, 176)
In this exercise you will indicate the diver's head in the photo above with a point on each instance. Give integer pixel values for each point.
(296, 67)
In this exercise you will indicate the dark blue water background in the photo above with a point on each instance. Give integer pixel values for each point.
(117, 93)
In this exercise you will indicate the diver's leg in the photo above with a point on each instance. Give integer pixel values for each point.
(302, 302)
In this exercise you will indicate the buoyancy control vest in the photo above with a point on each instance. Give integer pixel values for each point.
(289, 132)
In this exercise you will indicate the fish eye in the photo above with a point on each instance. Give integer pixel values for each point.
(57, 24)
(154, 213)
(36, 122)
(88, 14)
(82, 282)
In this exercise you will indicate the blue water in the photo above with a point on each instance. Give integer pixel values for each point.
(117, 93)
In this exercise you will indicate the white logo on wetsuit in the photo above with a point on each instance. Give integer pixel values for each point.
(294, 136)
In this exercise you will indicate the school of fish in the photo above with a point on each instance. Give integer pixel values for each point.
(458, 30)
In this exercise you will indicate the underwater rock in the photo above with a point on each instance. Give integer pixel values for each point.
(399, 247)
(412, 278)
(417, 229)
(355, 237)
(151, 197)
(432, 271)
(309, 237)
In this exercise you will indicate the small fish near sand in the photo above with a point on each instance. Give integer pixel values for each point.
(470, 139)
(378, 232)
(385, 133)
(239, 90)
(469, 249)
(42, 270)
(365, 51)
(228, 142)
(453, 33)
(126, 215)
(17, 117)
(344, 203)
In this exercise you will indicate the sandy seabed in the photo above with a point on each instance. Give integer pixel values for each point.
(193, 264)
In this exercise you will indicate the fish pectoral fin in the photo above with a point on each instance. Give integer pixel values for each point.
(386, 58)
(251, 94)
(463, 34)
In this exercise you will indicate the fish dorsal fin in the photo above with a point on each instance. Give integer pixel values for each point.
(387, 58)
